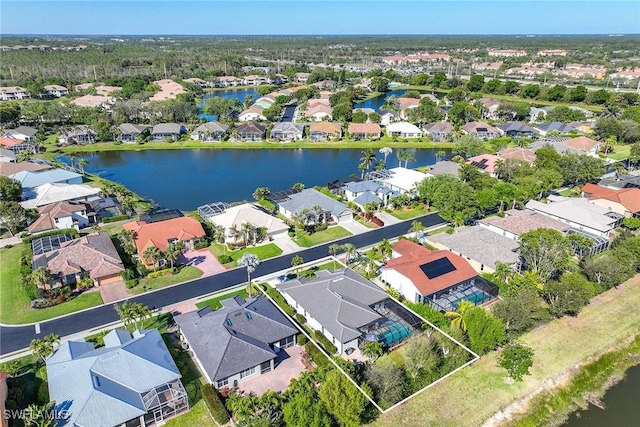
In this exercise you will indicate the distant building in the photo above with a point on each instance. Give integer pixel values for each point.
(78, 135)
(13, 92)
(507, 53)
(55, 91)
(163, 131)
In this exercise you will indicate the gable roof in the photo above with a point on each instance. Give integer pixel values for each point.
(51, 193)
(367, 128)
(415, 257)
(251, 127)
(236, 337)
(516, 127)
(361, 186)
(340, 301)
(308, 198)
(131, 128)
(30, 179)
(103, 386)
(159, 233)
(366, 198)
(288, 127)
(581, 143)
(403, 127)
(49, 213)
(627, 197)
(326, 127)
(23, 130)
(212, 127)
(160, 128)
(10, 142)
(440, 127)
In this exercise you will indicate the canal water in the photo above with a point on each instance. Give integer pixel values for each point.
(622, 406)
(186, 179)
(239, 94)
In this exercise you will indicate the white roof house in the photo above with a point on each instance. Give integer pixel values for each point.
(238, 215)
(52, 193)
(403, 180)
(403, 130)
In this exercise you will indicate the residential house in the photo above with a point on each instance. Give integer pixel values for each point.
(518, 153)
(516, 130)
(198, 82)
(209, 132)
(348, 310)
(287, 131)
(485, 162)
(265, 101)
(480, 130)
(94, 101)
(227, 81)
(586, 145)
(405, 104)
(400, 179)
(363, 193)
(92, 256)
(52, 193)
(8, 169)
(163, 131)
(444, 167)
(307, 199)
(490, 107)
(250, 131)
(63, 215)
(78, 135)
(358, 131)
(159, 234)
(131, 381)
(507, 52)
(18, 145)
(55, 91)
(584, 127)
(487, 66)
(552, 52)
(129, 133)
(23, 133)
(256, 80)
(482, 248)
(7, 156)
(440, 131)
(302, 77)
(367, 111)
(545, 128)
(238, 342)
(252, 113)
(387, 117)
(324, 131)
(580, 214)
(556, 143)
(403, 130)
(625, 201)
(31, 180)
(515, 222)
(232, 219)
(318, 112)
(619, 182)
(13, 92)
(440, 279)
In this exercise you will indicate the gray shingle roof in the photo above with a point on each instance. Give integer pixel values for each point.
(24, 130)
(102, 387)
(339, 300)
(516, 127)
(175, 128)
(308, 198)
(551, 126)
(288, 127)
(250, 127)
(366, 198)
(362, 186)
(131, 128)
(212, 127)
(236, 337)
(445, 167)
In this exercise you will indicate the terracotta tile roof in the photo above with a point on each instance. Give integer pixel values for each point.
(627, 197)
(364, 128)
(415, 256)
(486, 162)
(7, 168)
(519, 153)
(318, 108)
(49, 213)
(581, 143)
(9, 142)
(327, 127)
(405, 103)
(472, 127)
(522, 221)
(158, 234)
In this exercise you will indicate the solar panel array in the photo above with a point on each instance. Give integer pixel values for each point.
(437, 268)
(482, 164)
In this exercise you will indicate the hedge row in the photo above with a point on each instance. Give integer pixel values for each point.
(278, 298)
(317, 356)
(217, 409)
(114, 218)
(160, 273)
(324, 342)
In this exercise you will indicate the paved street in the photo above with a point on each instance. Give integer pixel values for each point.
(14, 338)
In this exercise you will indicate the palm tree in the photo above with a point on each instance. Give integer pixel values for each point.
(133, 314)
(44, 348)
(128, 205)
(72, 161)
(298, 186)
(295, 262)
(41, 276)
(173, 251)
(82, 163)
(297, 219)
(233, 230)
(416, 227)
(407, 157)
(385, 249)
(246, 229)
(250, 262)
(128, 238)
(385, 151)
(39, 415)
(503, 272)
(368, 157)
(349, 249)
(373, 350)
(334, 248)
(152, 255)
(261, 193)
(440, 155)
(458, 318)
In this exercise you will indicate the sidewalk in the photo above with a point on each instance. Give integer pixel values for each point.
(10, 241)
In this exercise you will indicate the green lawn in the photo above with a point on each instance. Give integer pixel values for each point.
(14, 302)
(267, 251)
(364, 222)
(408, 213)
(198, 415)
(187, 273)
(214, 302)
(621, 152)
(307, 240)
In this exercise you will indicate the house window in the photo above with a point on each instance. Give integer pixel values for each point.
(57, 221)
(223, 382)
(247, 372)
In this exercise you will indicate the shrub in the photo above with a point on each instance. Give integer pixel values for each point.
(160, 273)
(302, 339)
(320, 360)
(128, 274)
(43, 393)
(300, 318)
(142, 270)
(31, 290)
(131, 283)
(114, 218)
(202, 245)
(225, 259)
(217, 409)
(279, 299)
(324, 342)
(268, 205)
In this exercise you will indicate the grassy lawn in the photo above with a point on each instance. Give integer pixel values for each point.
(307, 240)
(14, 302)
(474, 394)
(198, 415)
(408, 213)
(364, 222)
(263, 252)
(187, 273)
(621, 152)
(214, 303)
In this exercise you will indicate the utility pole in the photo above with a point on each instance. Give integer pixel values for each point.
(165, 70)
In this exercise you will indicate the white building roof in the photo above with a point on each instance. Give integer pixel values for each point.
(578, 210)
(403, 127)
(237, 215)
(404, 179)
(51, 193)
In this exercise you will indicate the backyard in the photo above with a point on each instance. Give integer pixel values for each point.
(14, 301)
(307, 240)
(559, 346)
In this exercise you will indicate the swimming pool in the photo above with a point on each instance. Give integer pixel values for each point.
(396, 332)
(477, 297)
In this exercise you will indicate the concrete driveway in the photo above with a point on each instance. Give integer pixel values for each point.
(387, 218)
(113, 291)
(288, 366)
(354, 227)
(203, 260)
(287, 245)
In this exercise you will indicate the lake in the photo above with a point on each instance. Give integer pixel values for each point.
(186, 179)
(239, 94)
(621, 402)
(377, 102)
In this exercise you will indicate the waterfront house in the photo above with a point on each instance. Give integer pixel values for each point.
(318, 112)
(55, 91)
(445, 167)
(363, 193)
(250, 131)
(10, 168)
(30, 180)
(63, 215)
(129, 133)
(400, 179)
(387, 117)
(240, 341)
(302, 77)
(132, 380)
(232, 219)
(198, 82)
(324, 131)
(403, 130)
(480, 130)
(228, 81)
(92, 256)
(440, 131)
(159, 234)
(545, 128)
(7, 156)
(252, 113)
(256, 80)
(163, 131)
(516, 130)
(625, 201)
(287, 131)
(13, 92)
(209, 132)
(358, 131)
(308, 199)
(78, 135)
(18, 145)
(23, 133)
(440, 279)
(52, 193)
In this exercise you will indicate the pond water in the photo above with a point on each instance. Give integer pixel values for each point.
(377, 102)
(186, 179)
(239, 94)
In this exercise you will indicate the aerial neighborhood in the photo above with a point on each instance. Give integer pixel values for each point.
(458, 201)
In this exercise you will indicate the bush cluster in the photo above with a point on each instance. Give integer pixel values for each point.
(217, 409)
(115, 218)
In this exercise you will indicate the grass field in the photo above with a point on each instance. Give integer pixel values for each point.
(408, 213)
(214, 303)
(307, 240)
(267, 251)
(14, 302)
(473, 395)
(621, 152)
(187, 273)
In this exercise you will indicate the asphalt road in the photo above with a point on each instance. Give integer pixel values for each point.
(14, 338)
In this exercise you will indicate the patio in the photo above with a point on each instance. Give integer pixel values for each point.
(288, 366)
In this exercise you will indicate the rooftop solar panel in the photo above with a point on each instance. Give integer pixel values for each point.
(437, 268)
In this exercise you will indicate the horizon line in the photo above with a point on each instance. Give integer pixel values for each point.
(322, 35)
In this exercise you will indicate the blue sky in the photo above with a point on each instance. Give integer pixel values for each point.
(212, 17)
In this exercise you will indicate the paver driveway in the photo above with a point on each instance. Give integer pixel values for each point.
(203, 260)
